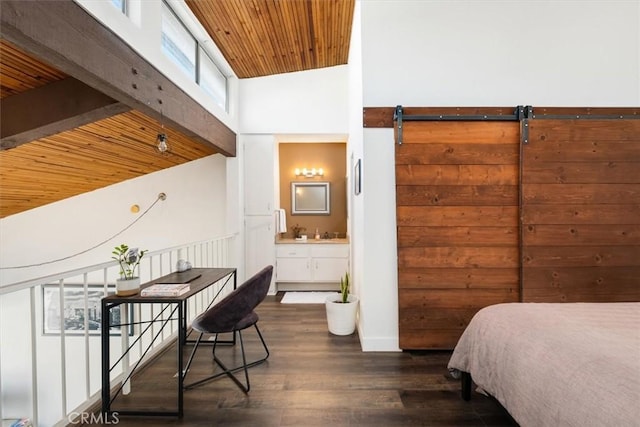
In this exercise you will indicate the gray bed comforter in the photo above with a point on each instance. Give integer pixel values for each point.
(572, 364)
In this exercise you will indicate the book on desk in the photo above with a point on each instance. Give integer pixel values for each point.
(171, 285)
(165, 290)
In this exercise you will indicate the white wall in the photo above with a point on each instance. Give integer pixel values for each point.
(195, 209)
(473, 53)
(374, 283)
(304, 102)
(354, 152)
(530, 52)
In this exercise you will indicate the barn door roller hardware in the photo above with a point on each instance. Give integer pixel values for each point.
(527, 113)
(400, 117)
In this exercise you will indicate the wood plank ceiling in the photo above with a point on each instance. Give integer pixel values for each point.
(258, 38)
(82, 159)
(264, 37)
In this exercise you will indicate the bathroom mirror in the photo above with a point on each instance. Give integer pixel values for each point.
(310, 198)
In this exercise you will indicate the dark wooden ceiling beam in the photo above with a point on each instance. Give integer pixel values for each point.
(63, 34)
(51, 109)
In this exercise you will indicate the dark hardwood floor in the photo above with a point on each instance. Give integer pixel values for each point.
(312, 378)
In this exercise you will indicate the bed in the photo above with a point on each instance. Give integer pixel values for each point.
(571, 364)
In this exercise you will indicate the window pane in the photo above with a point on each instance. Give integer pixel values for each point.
(212, 80)
(119, 4)
(177, 43)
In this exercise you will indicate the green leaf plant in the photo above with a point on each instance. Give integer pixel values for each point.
(129, 260)
(345, 285)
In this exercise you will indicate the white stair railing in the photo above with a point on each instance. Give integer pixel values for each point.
(51, 374)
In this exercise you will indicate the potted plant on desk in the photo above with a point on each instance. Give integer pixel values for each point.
(129, 260)
(341, 309)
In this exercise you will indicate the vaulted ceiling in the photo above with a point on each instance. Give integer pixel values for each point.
(263, 37)
(112, 138)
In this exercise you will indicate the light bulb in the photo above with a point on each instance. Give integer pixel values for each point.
(162, 145)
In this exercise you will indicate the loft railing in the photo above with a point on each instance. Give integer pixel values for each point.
(50, 357)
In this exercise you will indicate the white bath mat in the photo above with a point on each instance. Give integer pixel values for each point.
(305, 297)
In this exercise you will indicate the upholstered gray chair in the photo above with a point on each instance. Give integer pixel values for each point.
(234, 313)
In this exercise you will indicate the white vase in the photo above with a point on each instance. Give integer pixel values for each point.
(341, 317)
(127, 287)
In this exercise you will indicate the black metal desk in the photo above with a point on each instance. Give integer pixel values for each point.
(208, 276)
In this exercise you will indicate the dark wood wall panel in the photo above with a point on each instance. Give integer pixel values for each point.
(457, 218)
(452, 134)
(456, 236)
(569, 171)
(482, 219)
(600, 283)
(581, 211)
(544, 214)
(456, 174)
(485, 154)
(455, 195)
(448, 216)
(435, 318)
(581, 235)
(581, 194)
(453, 278)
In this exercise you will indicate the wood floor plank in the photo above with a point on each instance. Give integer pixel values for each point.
(312, 378)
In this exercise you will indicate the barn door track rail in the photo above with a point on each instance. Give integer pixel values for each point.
(523, 114)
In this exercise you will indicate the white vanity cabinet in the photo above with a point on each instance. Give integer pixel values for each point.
(311, 265)
(293, 263)
(329, 262)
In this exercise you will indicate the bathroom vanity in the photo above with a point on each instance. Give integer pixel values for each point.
(311, 265)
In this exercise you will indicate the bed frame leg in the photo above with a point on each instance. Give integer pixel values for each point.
(465, 382)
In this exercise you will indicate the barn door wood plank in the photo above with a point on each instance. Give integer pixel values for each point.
(581, 209)
(457, 190)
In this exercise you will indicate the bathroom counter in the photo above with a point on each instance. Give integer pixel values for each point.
(289, 241)
(312, 264)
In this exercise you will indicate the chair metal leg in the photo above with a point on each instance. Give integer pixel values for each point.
(266, 349)
(193, 353)
(229, 372)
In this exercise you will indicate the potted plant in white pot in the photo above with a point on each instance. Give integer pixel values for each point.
(342, 309)
(129, 260)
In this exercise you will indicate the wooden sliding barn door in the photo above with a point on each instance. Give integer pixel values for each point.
(581, 207)
(457, 218)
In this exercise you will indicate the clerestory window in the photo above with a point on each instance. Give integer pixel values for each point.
(178, 43)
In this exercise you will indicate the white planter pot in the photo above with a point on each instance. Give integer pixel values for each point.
(341, 317)
(127, 287)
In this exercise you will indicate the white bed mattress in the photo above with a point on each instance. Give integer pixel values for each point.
(573, 364)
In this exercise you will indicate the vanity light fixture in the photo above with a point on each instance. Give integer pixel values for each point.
(309, 173)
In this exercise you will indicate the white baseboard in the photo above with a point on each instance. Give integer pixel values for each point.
(308, 286)
(378, 343)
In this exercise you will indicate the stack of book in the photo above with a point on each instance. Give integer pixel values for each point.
(165, 290)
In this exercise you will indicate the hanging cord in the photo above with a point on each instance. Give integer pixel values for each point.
(161, 196)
